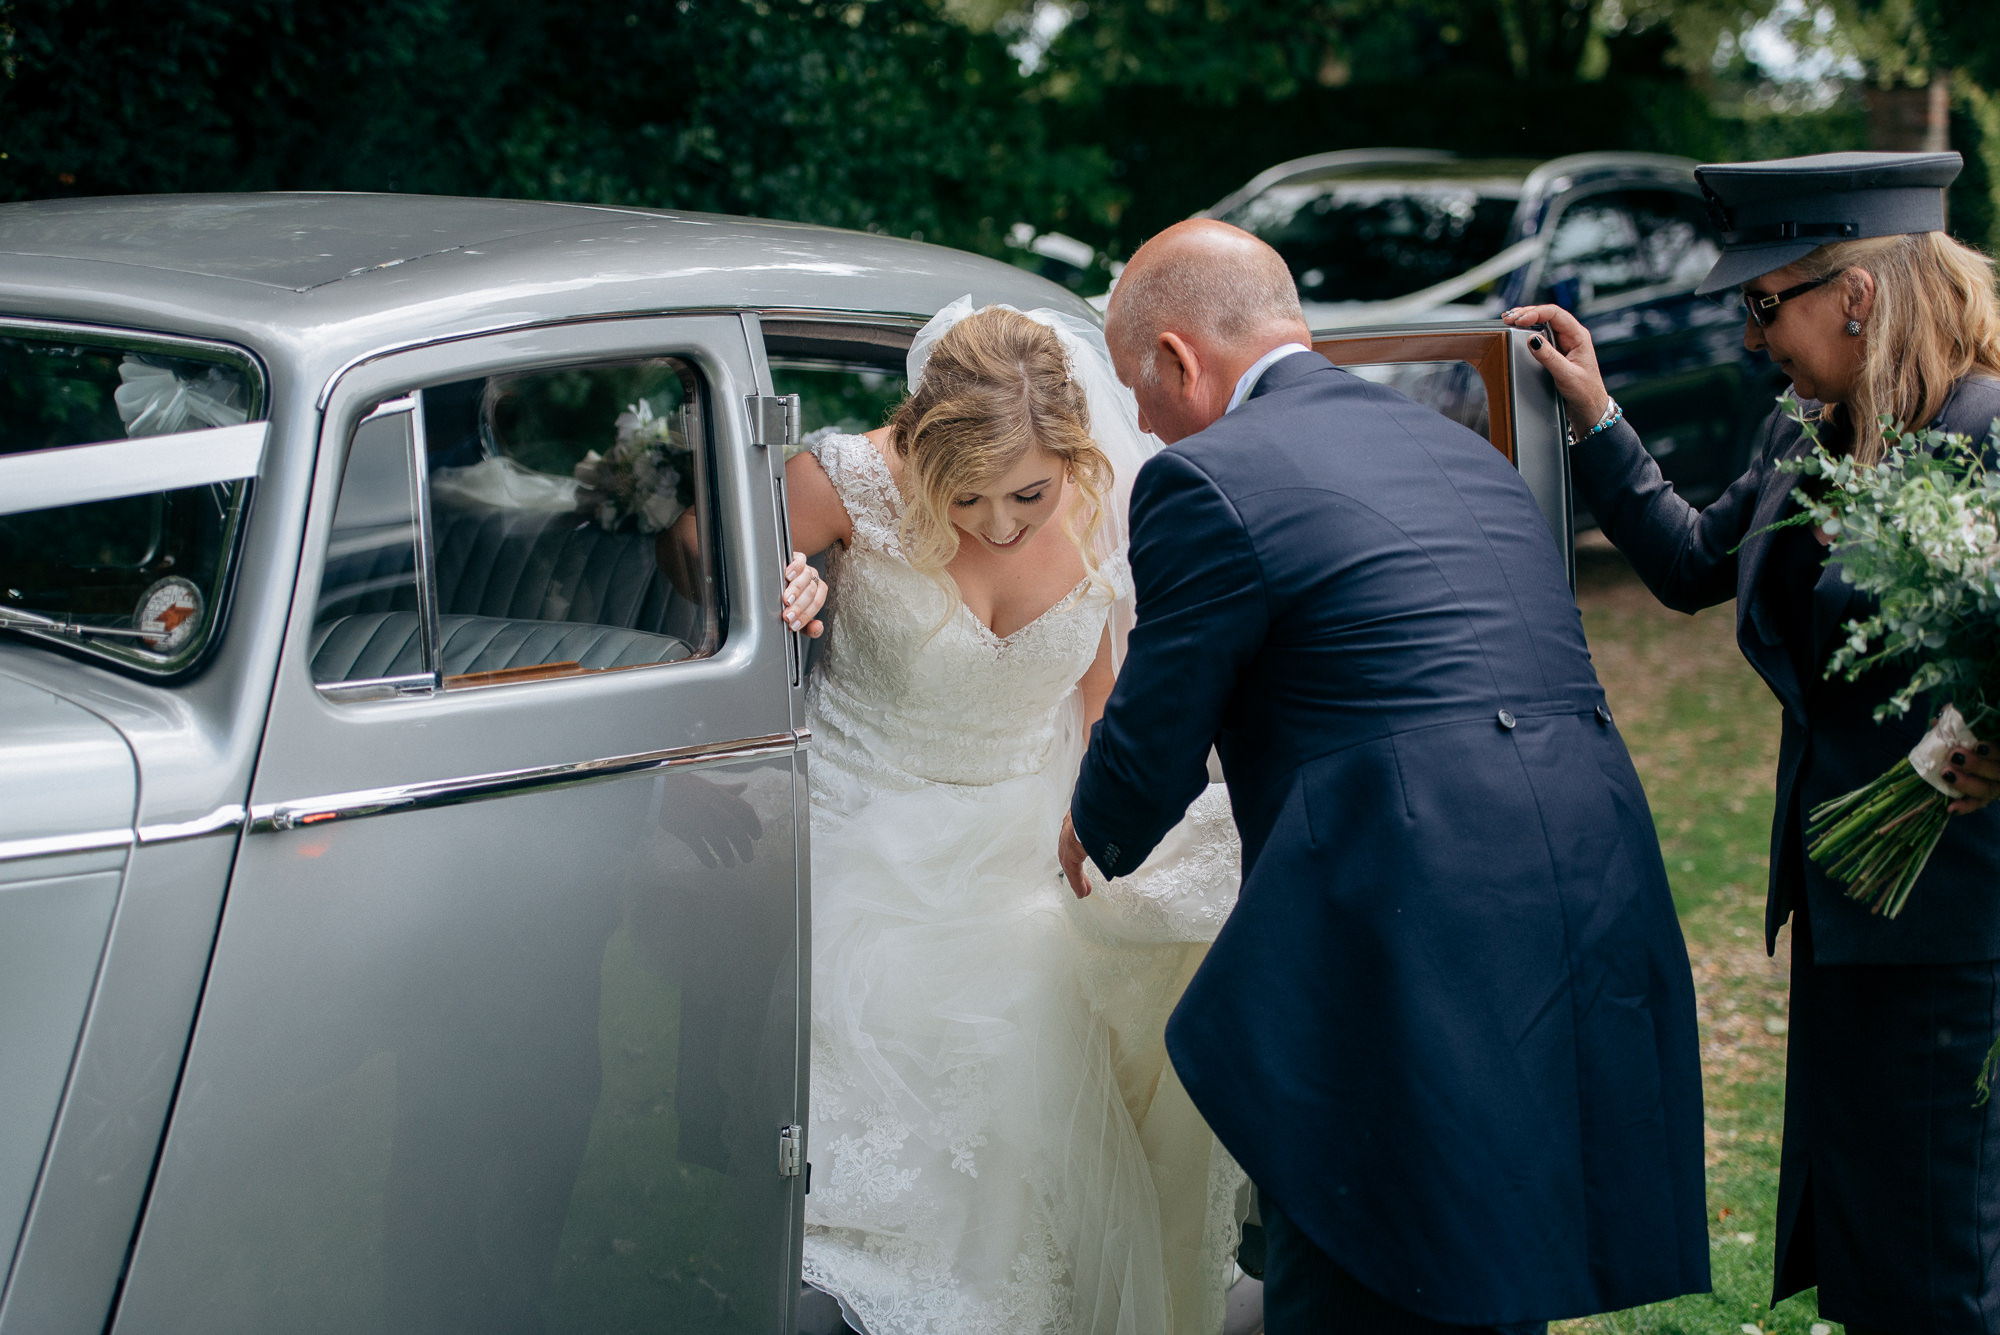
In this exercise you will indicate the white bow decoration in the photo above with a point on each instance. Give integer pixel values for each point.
(153, 401)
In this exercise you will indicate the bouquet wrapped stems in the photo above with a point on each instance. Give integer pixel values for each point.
(1879, 837)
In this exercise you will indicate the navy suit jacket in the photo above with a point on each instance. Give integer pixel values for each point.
(1829, 742)
(1449, 1028)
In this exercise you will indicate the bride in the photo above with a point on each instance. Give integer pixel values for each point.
(999, 1142)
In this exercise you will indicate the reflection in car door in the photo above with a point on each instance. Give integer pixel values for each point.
(502, 1031)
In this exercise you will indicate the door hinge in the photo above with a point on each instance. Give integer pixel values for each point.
(774, 420)
(791, 1150)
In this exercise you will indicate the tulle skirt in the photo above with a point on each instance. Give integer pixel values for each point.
(998, 1142)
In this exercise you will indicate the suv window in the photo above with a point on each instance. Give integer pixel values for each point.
(559, 523)
(1593, 254)
(1677, 241)
(138, 579)
(1377, 240)
(1620, 242)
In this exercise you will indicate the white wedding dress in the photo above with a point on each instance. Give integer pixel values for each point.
(998, 1142)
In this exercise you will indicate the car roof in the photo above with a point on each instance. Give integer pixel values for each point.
(1512, 177)
(321, 278)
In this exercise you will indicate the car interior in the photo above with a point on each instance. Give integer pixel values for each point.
(536, 574)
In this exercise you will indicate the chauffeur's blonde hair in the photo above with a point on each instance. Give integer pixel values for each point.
(996, 385)
(1935, 320)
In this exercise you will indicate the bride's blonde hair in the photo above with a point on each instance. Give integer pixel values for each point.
(997, 384)
(1936, 319)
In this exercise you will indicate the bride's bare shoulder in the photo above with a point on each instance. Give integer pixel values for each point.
(884, 440)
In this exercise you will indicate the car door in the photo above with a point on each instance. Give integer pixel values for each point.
(1482, 376)
(502, 1030)
(1626, 262)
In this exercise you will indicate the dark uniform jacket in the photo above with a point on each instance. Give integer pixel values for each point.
(1449, 1027)
(1829, 743)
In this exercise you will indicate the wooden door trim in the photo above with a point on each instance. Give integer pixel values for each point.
(1486, 350)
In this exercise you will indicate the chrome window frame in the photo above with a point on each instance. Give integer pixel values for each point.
(148, 666)
(431, 681)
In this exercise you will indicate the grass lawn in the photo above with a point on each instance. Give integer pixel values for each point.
(1703, 731)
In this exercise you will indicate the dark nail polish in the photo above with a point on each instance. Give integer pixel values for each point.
(1949, 777)
(1535, 344)
(1984, 748)
(1958, 757)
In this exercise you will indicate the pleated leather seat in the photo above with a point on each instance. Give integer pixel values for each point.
(536, 566)
(515, 588)
(385, 644)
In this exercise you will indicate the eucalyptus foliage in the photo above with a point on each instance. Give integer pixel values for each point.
(1919, 532)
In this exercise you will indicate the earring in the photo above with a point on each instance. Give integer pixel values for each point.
(1854, 329)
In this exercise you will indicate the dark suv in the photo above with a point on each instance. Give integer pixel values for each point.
(1382, 236)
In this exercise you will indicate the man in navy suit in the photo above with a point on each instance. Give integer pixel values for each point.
(1449, 1028)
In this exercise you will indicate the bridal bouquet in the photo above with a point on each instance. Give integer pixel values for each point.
(635, 479)
(1920, 531)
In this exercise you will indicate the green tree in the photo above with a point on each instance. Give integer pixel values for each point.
(885, 114)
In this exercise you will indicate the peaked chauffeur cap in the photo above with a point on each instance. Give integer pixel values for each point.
(1772, 213)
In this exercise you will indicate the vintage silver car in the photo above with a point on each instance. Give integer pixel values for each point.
(404, 894)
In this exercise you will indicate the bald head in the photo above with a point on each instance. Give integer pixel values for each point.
(1195, 308)
(1209, 282)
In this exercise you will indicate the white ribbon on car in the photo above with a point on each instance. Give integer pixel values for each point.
(153, 401)
(1930, 756)
(1451, 289)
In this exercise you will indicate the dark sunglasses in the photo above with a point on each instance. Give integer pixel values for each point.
(1762, 308)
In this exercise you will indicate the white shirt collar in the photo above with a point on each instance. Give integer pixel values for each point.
(1249, 379)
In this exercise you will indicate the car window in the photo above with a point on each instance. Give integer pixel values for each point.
(561, 524)
(138, 580)
(1452, 388)
(1377, 240)
(1593, 254)
(1677, 242)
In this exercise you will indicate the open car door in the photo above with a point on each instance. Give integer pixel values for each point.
(1481, 375)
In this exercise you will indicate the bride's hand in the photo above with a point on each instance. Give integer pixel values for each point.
(805, 594)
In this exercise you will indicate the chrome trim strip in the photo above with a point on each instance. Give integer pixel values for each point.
(108, 470)
(13, 850)
(379, 688)
(389, 408)
(266, 817)
(222, 818)
(898, 319)
(163, 832)
(832, 316)
(517, 327)
(420, 506)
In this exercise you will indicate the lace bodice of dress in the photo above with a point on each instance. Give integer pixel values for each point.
(911, 687)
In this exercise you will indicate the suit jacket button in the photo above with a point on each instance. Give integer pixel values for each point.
(1604, 716)
(1507, 720)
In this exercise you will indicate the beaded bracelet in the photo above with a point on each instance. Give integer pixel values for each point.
(1613, 415)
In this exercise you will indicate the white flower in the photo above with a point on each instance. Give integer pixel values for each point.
(636, 479)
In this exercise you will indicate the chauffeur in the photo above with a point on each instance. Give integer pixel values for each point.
(1888, 1200)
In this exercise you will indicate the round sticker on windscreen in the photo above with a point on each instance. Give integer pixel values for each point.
(169, 614)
